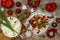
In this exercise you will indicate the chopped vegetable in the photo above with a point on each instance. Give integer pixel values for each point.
(21, 16)
(38, 21)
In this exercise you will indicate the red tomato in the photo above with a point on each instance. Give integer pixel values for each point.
(7, 3)
(51, 6)
(31, 22)
(45, 26)
(34, 26)
(33, 5)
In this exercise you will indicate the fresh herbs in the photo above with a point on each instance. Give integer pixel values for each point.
(42, 36)
(21, 16)
(7, 23)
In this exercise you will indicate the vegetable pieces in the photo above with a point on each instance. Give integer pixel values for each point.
(42, 37)
(38, 21)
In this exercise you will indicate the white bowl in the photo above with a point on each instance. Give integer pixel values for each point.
(42, 30)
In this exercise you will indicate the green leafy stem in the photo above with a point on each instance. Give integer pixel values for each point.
(7, 23)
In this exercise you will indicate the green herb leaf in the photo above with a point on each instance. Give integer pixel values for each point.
(21, 16)
(8, 24)
(46, 21)
(52, 16)
(42, 36)
(43, 24)
(33, 1)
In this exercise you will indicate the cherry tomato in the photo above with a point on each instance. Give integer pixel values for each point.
(36, 4)
(18, 10)
(34, 26)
